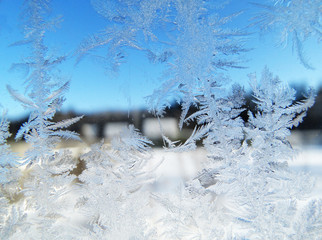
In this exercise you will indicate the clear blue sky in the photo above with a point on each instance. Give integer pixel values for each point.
(94, 89)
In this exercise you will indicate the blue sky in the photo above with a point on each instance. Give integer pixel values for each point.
(94, 89)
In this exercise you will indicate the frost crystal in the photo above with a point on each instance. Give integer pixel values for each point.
(244, 190)
(114, 199)
(297, 20)
(43, 99)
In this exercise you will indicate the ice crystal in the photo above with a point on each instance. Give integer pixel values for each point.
(244, 190)
(114, 199)
(297, 20)
(43, 99)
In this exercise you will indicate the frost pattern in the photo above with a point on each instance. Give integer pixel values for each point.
(9, 175)
(114, 199)
(245, 189)
(40, 201)
(297, 20)
(203, 45)
(8, 161)
(276, 115)
(130, 24)
(45, 94)
(196, 45)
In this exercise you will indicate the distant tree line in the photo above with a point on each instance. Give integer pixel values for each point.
(313, 120)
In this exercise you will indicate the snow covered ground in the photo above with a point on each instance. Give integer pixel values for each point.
(309, 159)
(177, 167)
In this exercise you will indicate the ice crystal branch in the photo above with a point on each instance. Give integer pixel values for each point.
(197, 44)
(130, 25)
(246, 181)
(297, 20)
(40, 209)
(43, 99)
(114, 182)
(9, 162)
(277, 114)
(201, 44)
(7, 159)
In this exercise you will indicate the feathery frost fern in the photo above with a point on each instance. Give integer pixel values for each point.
(45, 94)
(45, 181)
(245, 189)
(297, 20)
(113, 199)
